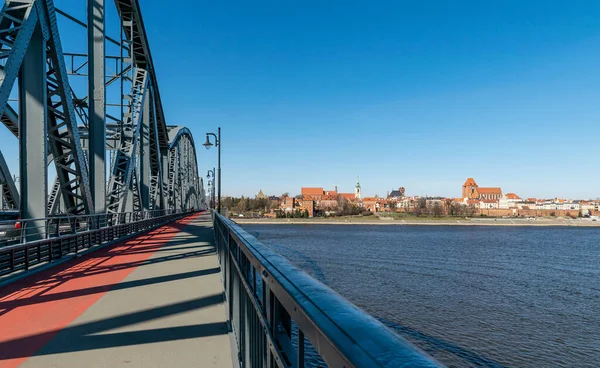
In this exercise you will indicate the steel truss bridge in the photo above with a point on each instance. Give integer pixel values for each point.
(120, 223)
(77, 134)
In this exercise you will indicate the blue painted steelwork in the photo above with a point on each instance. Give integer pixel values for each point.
(265, 293)
(70, 235)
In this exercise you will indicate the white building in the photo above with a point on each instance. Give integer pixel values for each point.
(488, 204)
(509, 200)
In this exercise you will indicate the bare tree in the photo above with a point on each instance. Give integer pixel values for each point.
(437, 209)
(457, 209)
(471, 210)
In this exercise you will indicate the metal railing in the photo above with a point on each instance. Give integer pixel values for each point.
(273, 306)
(66, 236)
(23, 231)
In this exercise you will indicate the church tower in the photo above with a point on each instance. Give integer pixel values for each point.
(357, 189)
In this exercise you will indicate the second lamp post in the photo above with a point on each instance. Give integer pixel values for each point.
(212, 185)
(208, 144)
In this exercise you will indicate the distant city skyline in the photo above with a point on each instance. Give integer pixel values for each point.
(420, 95)
(457, 193)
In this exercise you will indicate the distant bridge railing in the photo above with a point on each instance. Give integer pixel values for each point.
(23, 231)
(273, 306)
(66, 236)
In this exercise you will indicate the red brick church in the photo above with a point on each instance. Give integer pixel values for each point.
(471, 190)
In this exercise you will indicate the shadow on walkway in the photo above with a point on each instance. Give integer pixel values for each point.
(6, 306)
(47, 287)
(88, 336)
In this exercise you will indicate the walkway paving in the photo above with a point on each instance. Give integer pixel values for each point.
(152, 301)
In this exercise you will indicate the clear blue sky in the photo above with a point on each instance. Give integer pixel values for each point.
(414, 94)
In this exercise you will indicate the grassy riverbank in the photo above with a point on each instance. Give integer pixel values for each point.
(374, 220)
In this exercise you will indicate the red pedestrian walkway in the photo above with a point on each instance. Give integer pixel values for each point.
(122, 305)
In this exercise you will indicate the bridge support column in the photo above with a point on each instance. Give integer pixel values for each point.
(145, 155)
(33, 137)
(165, 179)
(97, 107)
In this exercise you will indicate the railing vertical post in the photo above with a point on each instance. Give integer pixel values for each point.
(269, 314)
(12, 260)
(26, 258)
(230, 275)
(247, 314)
(300, 348)
(50, 250)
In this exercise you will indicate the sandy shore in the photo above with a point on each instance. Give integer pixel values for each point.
(425, 222)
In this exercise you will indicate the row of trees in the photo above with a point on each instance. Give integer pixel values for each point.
(295, 214)
(246, 204)
(438, 208)
(343, 207)
(243, 204)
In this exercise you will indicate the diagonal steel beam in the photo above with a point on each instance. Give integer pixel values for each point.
(17, 23)
(122, 172)
(140, 51)
(63, 133)
(9, 189)
(10, 120)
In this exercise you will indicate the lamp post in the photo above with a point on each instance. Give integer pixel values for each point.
(209, 200)
(208, 144)
(212, 192)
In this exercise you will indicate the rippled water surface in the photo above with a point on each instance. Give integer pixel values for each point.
(470, 296)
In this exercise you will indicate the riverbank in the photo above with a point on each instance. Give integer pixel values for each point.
(424, 221)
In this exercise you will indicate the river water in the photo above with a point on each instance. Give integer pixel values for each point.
(472, 296)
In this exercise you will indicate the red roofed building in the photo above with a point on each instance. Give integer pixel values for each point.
(315, 193)
(308, 205)
(489, 193)
(471, 190)
(348, 196)
(328, 202)
(376, 204)
(288, 204)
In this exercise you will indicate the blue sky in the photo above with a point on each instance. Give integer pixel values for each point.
(414, 94)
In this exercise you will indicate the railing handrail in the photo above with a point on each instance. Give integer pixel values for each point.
(64, 217)
(34, 243)
(32, 229)
(339, 330)
(16, 259)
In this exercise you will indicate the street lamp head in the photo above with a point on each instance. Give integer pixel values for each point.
(207, 144)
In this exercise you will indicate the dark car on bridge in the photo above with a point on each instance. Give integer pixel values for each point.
(10, 227)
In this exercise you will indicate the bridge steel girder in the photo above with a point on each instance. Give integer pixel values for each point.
(20, 22)
(140, 51)
(33, 126)
(157, 195)
(165, 164)
(8, 193)
(97, 104)
(184, 183)
(10, 120)
(154, 166)
(121, 178)
(63, 133)
(144, 156)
